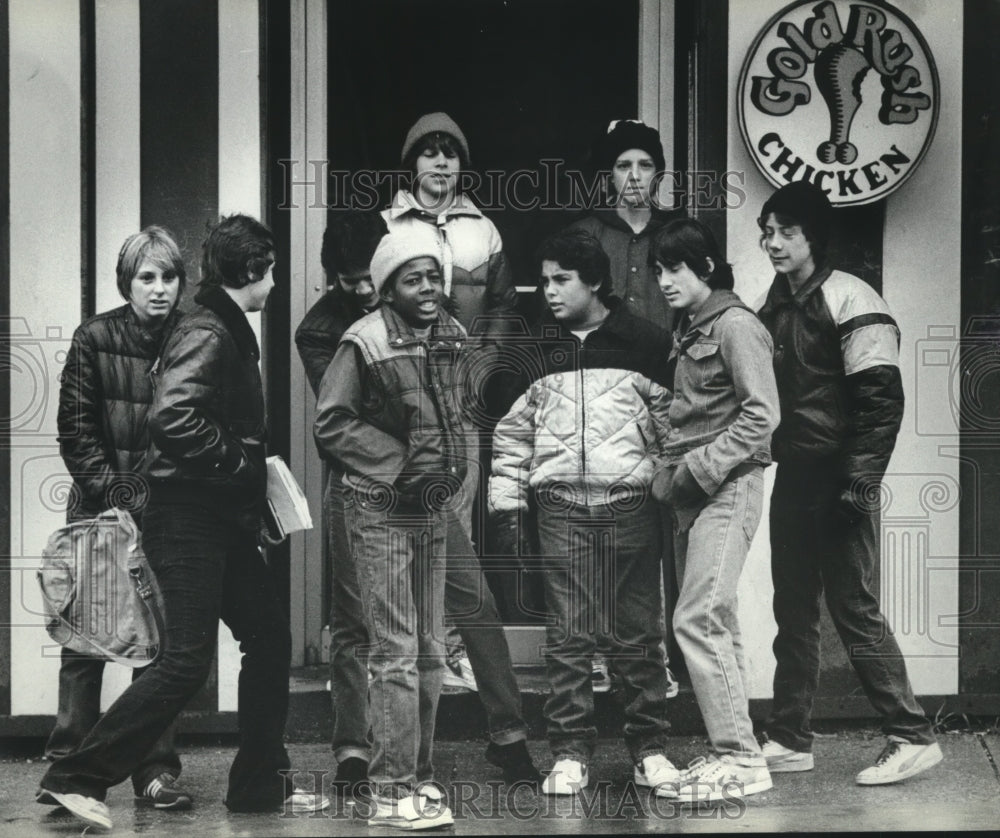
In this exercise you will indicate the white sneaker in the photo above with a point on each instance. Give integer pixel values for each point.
(658, 773)
(782, 760)
(416, 811)
(719, 778)
(87, 809)
(899, 760)
(567, 776)
(600, 678)
(306, 802)
(458, 675)
(673, 688)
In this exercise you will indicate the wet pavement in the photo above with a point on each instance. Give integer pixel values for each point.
(962, 793)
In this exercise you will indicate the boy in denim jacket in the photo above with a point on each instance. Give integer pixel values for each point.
(724, 409)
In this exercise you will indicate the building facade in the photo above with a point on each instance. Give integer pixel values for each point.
(121, 114)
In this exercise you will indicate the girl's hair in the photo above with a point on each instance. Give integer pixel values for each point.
(691, 242)
(153, 244)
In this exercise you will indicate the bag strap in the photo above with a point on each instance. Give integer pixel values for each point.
(145, 592)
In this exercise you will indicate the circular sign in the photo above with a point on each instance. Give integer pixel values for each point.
(841, 94)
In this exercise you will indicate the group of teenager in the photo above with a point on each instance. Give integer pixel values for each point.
(631, 422)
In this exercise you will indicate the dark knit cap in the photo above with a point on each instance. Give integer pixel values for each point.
(430, 123)
(805, 204)
(624, 134)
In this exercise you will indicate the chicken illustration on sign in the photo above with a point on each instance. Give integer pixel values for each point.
(876, 56)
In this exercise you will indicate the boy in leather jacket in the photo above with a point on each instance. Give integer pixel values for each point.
(836, 361)
(201, 531)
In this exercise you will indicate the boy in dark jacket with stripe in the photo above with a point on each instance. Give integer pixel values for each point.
(836, 361)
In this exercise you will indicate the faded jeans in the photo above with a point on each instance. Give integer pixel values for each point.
(400, 562)
(601, 576)
(710, 558)
(469, 604)
(348, 636)
(814, 550)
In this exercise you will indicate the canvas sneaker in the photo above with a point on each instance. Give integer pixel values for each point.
(302, 802)
(658, 773)
(600, 678)
(567, 776)
(420, 810)
(458, 675)
(782, 760)
(87, 809)
(900, 759)
(163, 794)
(721, 778)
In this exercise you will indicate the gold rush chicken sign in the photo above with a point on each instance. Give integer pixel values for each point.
(842, 94)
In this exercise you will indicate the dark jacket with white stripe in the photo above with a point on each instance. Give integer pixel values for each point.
(836, 361)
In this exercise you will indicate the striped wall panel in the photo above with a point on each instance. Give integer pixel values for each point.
(117, 114)
(5, 372)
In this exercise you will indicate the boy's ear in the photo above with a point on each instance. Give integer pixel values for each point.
(709, 266)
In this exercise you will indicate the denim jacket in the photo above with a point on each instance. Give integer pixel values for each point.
(725, 404)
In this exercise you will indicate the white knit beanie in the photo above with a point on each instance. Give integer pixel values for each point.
(397, 248)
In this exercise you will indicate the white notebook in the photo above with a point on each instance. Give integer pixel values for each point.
(285, 499)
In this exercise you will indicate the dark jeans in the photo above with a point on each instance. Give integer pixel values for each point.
(815, 551)
(207, 568)
(80, 679)
(602, 577)
(470, 607)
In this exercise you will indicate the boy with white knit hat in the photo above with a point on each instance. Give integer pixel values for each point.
(390, 415)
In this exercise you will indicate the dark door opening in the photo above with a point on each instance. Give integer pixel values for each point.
(531, 85)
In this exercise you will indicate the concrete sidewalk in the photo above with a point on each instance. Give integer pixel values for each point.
(962, 793)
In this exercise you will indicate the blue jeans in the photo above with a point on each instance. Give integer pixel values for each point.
(813, 550)
(207, 568)
(468, 604)
(348, 636)
(400, 563)
(80, 679)
(601, 576)
(710, 558)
